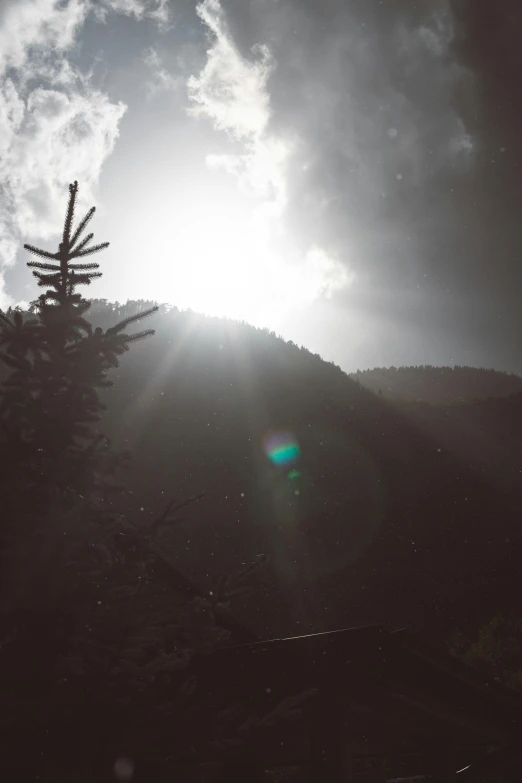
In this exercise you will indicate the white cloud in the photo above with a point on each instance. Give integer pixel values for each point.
(38, 24)
(60, 138)
(462, 141)
(54, 127)
(233, 92)
(50, 134)
(230, 90)
(8, 248)
(322, 275)
(161, 14)
(438, 35)
(157, 10)
(162, 80)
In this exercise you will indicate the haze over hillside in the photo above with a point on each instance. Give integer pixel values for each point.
(379, 499)
(379, 495)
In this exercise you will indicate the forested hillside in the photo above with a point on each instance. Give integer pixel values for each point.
(383, 495)
(438, 384)
(407, 514)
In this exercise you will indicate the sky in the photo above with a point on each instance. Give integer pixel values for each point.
(343, 172)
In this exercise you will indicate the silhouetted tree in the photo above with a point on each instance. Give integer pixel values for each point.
(50, 406)
(96, 636)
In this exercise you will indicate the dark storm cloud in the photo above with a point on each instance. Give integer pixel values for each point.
(401, 165)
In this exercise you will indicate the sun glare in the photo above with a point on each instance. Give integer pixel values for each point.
(216, 268)
(226, 264)
(225, 258)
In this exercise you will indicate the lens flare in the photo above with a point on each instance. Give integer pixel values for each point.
(281, 448)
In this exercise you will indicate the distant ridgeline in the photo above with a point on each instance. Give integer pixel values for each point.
(367, 509)
(438, 385)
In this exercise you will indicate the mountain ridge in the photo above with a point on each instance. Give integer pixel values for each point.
(387, 497)
(438, 385)
(391, 511)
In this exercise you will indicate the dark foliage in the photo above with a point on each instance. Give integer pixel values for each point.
(496, 650)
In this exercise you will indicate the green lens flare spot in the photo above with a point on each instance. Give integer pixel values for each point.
(281, 448)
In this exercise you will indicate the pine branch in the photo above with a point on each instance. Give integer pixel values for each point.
(81, 245)
(132, 319)
(39, 265)
(69, 215)
(140, 336)
(84, 279)
(90, 250)
(38, 252)
(47, 279)
(81, 226)
(83, 266)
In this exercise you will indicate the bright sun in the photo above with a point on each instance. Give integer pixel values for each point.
(217, 269)
(227, 265)
(230, 260)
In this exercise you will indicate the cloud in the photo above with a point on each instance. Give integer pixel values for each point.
(321, 275)
(380, 128)
(29, 25)
(51, 132)
(60, 137)
(344, 122)
(370, 99)
(161, 80)
(438, 33)
(157, 10)
(232, 91)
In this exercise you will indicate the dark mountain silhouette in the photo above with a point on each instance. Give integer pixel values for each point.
(394, 512)
(438, 385)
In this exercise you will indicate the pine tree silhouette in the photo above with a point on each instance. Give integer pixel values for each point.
(94, 642)
(50, 405)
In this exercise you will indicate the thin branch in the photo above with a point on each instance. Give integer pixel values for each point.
(140, 335)
(82, 244)
(83, 266)
(38, 252)
(39, 265)
(131, 319)
(90, 250)
(81, 226)
(69, 215)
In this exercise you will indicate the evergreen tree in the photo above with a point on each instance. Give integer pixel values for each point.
(50, 406)
(95, 643)
(57, 468)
